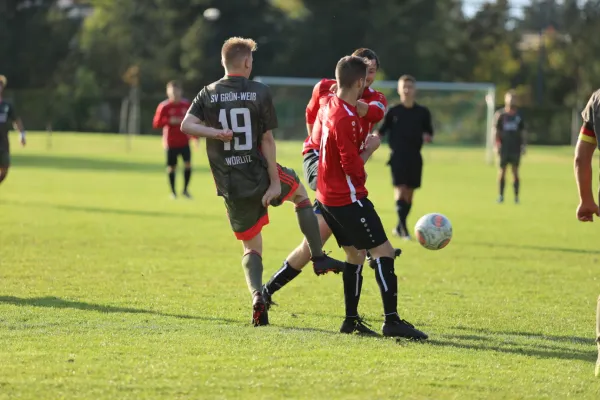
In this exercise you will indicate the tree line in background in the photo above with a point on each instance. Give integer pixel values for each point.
(66, 58)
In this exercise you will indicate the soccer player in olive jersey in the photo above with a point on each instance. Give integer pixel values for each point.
(237, 117)
(371, 109)
(589, 139)
(8, 118)
(510, 143)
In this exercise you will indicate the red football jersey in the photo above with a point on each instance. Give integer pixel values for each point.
(341, 176)
(172, 135)
(320, 96)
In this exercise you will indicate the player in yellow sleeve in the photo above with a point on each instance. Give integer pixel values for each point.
(584, 152)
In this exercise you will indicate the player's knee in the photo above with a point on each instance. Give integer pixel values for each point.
(171, 168)
(300, 195)
(253, 245)
(188, 166)
(353, 255)
(384, 250)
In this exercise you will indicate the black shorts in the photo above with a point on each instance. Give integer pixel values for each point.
(174, 152)
(407, 170)
(356, 224)
(310, 166)
(512, 158)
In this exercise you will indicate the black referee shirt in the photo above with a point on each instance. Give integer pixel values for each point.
(405, 127)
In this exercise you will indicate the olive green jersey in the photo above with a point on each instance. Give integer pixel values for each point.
(246, 107)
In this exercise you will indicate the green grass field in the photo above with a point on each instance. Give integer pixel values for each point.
(109, 289)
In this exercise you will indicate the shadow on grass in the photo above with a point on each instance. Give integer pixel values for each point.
(100, 210)
(56, 302)
(532, 345)
(531, 335)
(534, 351)
(84, 163)
(533, 247)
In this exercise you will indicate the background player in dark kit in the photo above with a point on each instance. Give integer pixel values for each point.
(343, 202)
(8, 118)
(408, 125)
(584, 152)
(237, 117)
(510, 142)
(168, 116)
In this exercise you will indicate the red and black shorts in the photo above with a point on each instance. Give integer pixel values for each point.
(247, 216)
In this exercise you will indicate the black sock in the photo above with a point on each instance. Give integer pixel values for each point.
(282, 277)
(187, 174)
(400, 210)
(172, 181)
(405, 216)
(388, 286)
(502, 181)
(352, 287)
(516, 186)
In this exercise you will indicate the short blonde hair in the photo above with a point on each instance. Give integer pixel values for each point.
(235, 48)
(407, 78)
(3, 80)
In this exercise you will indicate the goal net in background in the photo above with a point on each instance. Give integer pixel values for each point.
(462, 113)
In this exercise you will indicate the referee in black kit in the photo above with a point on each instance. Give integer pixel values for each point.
(408, 126)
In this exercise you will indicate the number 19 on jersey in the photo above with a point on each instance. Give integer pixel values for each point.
(245, 128)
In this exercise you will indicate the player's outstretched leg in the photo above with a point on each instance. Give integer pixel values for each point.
(309, 225)
(516, 182)
(383, 264)
(253, 270)
(353, 280)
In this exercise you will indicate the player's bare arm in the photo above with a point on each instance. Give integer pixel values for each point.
(193, 126)
(269, 151)
(587, 208)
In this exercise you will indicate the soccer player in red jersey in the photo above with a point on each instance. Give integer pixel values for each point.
(371, 109)
(168, 116)
(589, 139)
(344, 205)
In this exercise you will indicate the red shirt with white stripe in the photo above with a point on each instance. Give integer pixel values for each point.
(168, 116)
(341, 176)
(320, 96)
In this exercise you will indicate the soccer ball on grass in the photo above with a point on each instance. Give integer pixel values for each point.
(433, 231)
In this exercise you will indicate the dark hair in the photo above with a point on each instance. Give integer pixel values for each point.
(349, 70)
(407, 78)
(367, 53)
